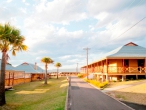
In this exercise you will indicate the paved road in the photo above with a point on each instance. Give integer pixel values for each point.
(85, 97)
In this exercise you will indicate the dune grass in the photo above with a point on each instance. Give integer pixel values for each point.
(37, 96)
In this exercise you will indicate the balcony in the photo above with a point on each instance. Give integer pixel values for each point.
(114, 70)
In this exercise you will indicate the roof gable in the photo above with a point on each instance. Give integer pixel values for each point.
(131, 44)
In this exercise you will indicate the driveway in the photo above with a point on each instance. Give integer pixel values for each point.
(83, 96)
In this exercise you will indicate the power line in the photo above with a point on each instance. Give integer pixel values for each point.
(128, 13)
(131, 27)
(113, 27)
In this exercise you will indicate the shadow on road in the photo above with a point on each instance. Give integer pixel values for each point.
(135, 106)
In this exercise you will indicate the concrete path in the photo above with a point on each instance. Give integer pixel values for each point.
(83, 96)
(123, 86)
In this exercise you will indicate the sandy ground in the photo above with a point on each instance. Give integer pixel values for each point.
(136, 93)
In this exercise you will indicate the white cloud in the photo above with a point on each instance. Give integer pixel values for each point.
(23, 10)
(95, 7)
(65, 57)
(59, 12)
(101, 16)
(23, 0)
(73, 61)
(39, 33)
(9, 1)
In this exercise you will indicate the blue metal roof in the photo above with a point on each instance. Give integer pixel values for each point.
(29, 68)
(127, 51)
(8, 66)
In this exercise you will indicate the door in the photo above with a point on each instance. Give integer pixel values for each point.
(140, 64)
(126, 65)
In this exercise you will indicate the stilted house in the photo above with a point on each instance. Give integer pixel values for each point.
(32, 72)
(12, 77)
(128, 61)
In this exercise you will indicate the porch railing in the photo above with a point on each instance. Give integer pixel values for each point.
(115, 69)
(112, 69)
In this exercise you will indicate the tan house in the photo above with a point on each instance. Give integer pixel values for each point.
(32, 71)
(125, 62)
(23, 73)
(13, 77)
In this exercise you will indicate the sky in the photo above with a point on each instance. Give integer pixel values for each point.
(61, 29)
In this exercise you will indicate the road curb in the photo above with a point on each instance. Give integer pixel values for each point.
(67, 104)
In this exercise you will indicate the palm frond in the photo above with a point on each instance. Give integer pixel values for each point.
(47, 60)
(13, 52)
(10, 37)
(58, 65)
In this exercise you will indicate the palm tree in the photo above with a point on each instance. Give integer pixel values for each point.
(58, 65)
(47, 61)
(10, 40)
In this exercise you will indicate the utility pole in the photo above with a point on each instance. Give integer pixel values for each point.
(77, 68)
(87, 60)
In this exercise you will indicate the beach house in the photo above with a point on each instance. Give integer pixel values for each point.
(32, 71)
(125, 62)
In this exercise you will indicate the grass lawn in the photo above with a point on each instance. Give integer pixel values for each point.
(37, 96)
(136, 94)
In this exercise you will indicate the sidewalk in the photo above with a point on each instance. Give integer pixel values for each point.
(123, 86)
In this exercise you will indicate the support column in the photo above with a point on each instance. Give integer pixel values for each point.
(107, 66)
(9, 79)
(102, 78)
(106, 69)
(102, 66)
(123, 66)
(106, 77)
(123, 77)
(13, 79)
(97, 77)
(145, 67)
(136, 77)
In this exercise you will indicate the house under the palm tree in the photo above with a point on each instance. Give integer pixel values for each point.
(13, 77)
(125, 62)
(32, 71)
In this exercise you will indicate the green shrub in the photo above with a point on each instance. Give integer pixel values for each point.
(80, 75)
(105, 83)
(85, 79)
(101, 85)
(114, 80)
(97, 84)
(127, 79)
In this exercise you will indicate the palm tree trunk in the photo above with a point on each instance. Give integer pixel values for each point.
(46, 74)
(57, 73)
(2, 79)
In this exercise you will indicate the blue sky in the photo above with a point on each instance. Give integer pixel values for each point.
(60, 29)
